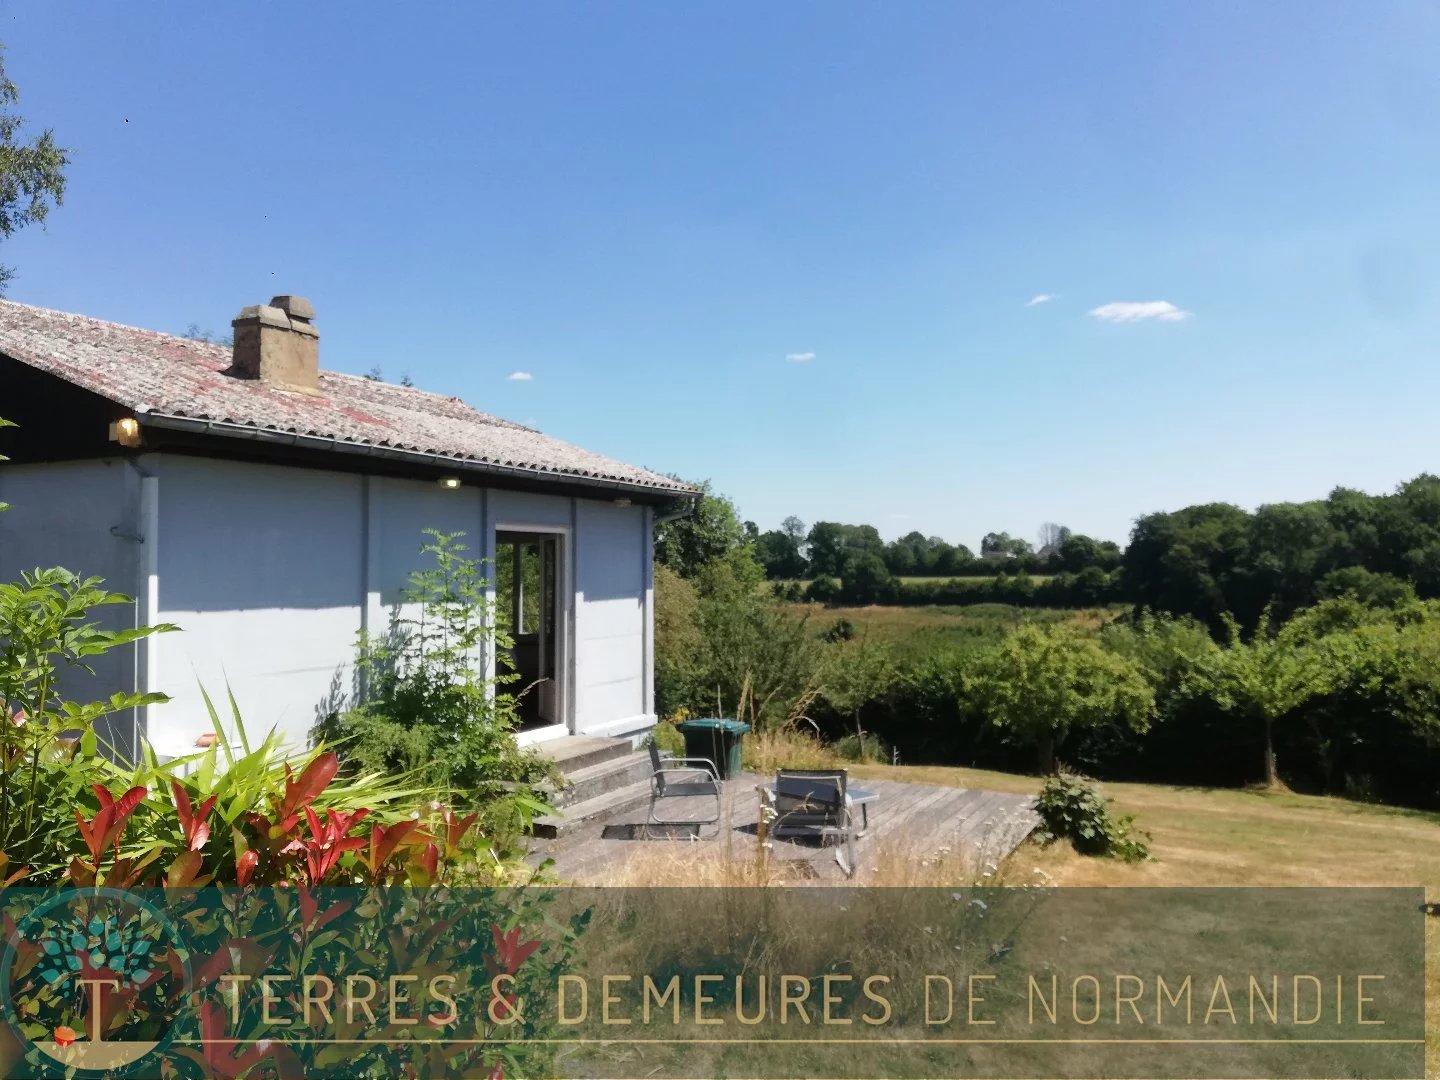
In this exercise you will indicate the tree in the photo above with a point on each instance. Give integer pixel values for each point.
(1003, 545)
(866, 580)
(1042, 682)
(1077, 552)
(794, 529)
(901, 558)
(32, 174)
(1288, 544)
(1370, 588)
(1051, 537)
(1192, 562)
(1270, 676)
(194, 333)
(827, 548)
(780, 555)
(712, 531)
(949, 560)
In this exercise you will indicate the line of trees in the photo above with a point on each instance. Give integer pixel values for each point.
(1340, 695)
(1217, 559)
(830, 549)
(1206, 561)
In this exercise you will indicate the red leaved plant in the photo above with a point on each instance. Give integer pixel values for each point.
(285, 841)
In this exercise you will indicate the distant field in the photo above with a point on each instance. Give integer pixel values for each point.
(1037, 578)
(919, 630)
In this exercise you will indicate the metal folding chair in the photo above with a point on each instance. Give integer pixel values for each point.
(684, 779)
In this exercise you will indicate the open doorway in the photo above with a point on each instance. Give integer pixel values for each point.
(527, 596)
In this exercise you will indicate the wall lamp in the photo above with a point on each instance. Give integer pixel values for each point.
(449, 483)
(126, 432)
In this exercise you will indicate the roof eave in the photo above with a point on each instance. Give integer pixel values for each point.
(333, 444)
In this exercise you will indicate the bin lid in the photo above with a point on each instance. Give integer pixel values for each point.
(730, 727)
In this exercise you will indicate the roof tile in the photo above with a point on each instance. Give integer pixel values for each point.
(160, 373)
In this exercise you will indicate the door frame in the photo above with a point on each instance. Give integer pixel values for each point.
(564, 624)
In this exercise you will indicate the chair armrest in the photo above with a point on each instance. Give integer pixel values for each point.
(694, 762)
(708, 774)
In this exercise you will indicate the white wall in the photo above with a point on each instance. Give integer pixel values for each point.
(271, 571)
(263, 568)
(612, 617)
(62, 515)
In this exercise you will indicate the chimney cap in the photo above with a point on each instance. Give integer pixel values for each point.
(297, 307)
(267, 314)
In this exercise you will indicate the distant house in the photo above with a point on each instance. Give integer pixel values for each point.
(272, 510)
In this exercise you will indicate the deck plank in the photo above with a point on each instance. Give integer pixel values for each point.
(915, 820)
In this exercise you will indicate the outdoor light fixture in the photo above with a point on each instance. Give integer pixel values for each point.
(622, 502)
(126, 432)
(449, 483)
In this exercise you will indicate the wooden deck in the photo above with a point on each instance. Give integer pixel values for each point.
(916, 822)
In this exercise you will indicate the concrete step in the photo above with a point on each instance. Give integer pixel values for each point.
(576, 752)
(615, 801)
(595, 780)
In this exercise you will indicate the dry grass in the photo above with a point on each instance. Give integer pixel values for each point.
(788, 747)
(1207, 836)
(1200, 837)
(1210, 837)
(732, 862)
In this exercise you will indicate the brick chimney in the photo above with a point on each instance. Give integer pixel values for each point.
(278, 344)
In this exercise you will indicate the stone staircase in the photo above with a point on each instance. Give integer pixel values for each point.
(603, 777)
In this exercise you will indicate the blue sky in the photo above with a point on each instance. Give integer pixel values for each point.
(793, 247)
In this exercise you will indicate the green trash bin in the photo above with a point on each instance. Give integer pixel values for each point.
(716, 740)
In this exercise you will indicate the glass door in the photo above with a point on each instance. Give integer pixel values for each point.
(527, 598)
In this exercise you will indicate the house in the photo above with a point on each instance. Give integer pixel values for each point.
(272, 509)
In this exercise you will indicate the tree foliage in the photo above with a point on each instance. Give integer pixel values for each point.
(713, 530)
(1217, 559)
(1269, 676)
(1042, 682)
(32, 173)
(429, 701)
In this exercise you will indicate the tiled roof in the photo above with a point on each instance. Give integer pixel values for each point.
(172, 376)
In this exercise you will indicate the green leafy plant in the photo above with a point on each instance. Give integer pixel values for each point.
(1270, 676)
(48, 745)
(325, 849)
(1071, 809)
(429, 701)
(1043, 681)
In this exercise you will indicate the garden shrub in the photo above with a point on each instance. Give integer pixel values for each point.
(678, 644)
(1043, 682)
(755, 659)
(1071, 809)
(863, 748)
(790, 591)
(823, 590)
(429, 702)
(866, 580)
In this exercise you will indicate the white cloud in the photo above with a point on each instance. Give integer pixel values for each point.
(800, 357)
(1125, 311)
(520, 376)
(1040, 298)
